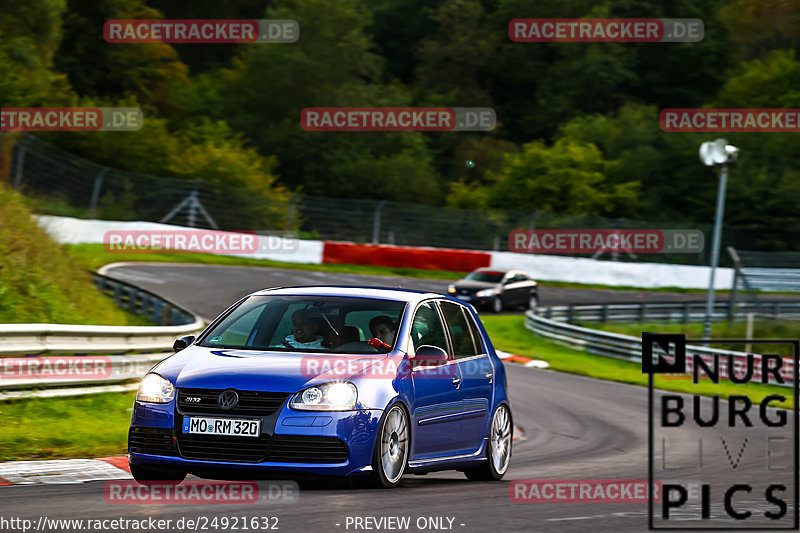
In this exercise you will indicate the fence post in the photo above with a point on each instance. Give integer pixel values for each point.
(98, 183)
(569, 314)
(290, 213)
(20, 163)
(605, 313)
(687, 311)
(642, 312)
(376, 223)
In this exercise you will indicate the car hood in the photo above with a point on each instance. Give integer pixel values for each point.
(213, 368)
(476, 285)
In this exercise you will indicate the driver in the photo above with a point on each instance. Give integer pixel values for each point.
(305, 331)
(383, 331)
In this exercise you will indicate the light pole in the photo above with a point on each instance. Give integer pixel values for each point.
(719, 153)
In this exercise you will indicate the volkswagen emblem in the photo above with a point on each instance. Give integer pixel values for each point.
(227, 399)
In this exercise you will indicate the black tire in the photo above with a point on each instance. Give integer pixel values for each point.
(490, 470)
(396, 446)
(497, 304)
(150, 475)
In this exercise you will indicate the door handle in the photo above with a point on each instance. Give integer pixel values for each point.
(489, 376)
(456, 381)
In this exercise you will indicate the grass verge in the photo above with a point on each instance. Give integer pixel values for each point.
(59, 428)
(41, 283)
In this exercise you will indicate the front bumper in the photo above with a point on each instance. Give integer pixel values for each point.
(356, 429)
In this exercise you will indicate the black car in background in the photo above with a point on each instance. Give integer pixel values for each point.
(497, 289)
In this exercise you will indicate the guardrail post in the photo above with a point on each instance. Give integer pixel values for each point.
(156, 316)
(687, 311)
(569, 314)
(642, 312)
(548, 312)
(605, 313)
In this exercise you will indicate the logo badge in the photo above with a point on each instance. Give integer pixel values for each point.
(228, 399)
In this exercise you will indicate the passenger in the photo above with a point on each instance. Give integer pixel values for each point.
(383, 331)
(305, 331)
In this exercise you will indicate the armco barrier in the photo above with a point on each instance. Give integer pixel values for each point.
(41, 339)
(615, 345)
(684, 312)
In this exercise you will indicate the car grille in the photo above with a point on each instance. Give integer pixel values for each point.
(279, 449)
(223, 448)
(250, 402)
(305, 449)
(152, 441)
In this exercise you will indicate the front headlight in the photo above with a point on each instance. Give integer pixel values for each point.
(155, 389)
(340, 396)
(451, 289)
(485, 292)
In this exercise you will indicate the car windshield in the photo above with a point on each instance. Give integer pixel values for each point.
(314, 324)
(491, 277)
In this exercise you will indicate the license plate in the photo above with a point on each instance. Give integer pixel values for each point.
(237, 427)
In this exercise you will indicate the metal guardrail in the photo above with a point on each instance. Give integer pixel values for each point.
(550, 323)
(31, 340)
(668, 311)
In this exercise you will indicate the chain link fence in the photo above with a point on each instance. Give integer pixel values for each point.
(61, 183)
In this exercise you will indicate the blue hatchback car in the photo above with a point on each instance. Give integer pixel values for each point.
(334, 381)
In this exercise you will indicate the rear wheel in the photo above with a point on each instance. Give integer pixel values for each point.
(498, 449)
(533, 301)
(149, 475)
(497, 304)
(391, 449)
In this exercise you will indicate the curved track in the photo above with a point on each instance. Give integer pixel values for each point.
(574, 427)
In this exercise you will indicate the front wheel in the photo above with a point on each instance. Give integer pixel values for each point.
(149, 475)
(391, 449)
(498, 449)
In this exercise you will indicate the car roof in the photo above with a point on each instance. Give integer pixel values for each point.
(383, 293)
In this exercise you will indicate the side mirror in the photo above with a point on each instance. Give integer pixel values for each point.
(182, 342)
(427, 354)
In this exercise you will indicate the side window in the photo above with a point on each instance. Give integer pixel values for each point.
(459, 330)
(427, 328)
(476, 334)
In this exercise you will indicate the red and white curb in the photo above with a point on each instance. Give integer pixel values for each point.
(530, 363)
(63, 471)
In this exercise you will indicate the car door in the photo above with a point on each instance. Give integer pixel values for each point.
(437, 403)
(510, 296)
(477, 375)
